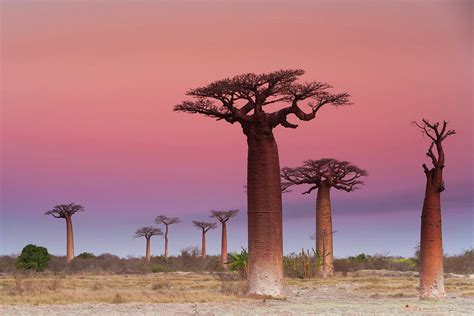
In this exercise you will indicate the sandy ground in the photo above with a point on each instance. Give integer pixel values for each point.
(357, 296)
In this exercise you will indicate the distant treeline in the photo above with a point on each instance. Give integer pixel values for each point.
(301, 265)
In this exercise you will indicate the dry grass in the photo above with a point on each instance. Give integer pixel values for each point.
(194, 288)
(149, 288)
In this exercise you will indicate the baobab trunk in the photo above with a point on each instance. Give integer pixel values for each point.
(324, 244)
(224, 246)
(148, 250)
(203, 247)
(166, 241)
(69, 240)
(431, 244)
(264, 217)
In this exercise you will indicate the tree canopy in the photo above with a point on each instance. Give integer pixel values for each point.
(65, 210)
(245, 98)
(165, 220)
(341, 175)
(148, 232)
(205, 226)
(224, 216)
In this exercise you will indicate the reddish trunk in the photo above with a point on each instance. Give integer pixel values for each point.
(324, 244)
(264, 216)
(69, 240)
(431, 244)
(166, 241)
(147, 257)
(224, 246)
(203, 245)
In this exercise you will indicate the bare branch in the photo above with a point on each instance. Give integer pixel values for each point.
(64, 210)
(205, 226)
(148, 232)
(165, 220)
(223, 216)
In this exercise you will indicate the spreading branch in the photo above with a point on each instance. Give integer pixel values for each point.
(165, 220)
(243, 98)
(437, 133)
(223, 216)
(341, 175)
(148, 232)
(65, 210)
(205, 226)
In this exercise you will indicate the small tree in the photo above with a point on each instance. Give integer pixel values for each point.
(323, 175)
(66, 211)
(223, 217)
(205, 227)
(165, 220)
(431, 241)
(148, 232)
(33, 258)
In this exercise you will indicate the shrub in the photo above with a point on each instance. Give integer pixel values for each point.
(33, 258)
(239, 262)
(86, 255)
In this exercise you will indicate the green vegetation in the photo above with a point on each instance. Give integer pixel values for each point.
(33, 258)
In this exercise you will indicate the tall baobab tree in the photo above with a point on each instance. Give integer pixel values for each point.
(165, 220)
(223, 217)
(148, 232)
(431, 243)
(323, 175)
(66, 211)
(205, 227)
(246, 100)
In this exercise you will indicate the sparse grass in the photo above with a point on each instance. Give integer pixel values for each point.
(178, 287)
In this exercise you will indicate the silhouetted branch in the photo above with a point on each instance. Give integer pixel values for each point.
(224, 216)
(148, 232)
(205, 226)
(65, 210)
(163, 219)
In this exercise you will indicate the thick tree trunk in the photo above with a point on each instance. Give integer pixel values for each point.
(203, 247)
(264, 217)
(324, 245)
(166, 241)
(431, 244)
(148, 250)
(224, 246)
(69, 240)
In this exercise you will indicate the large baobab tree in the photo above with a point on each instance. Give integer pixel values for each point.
(431, 243)
(205, 227)
(323, 175)
(165, 220)
(148, 232)
(66, 211)
(223, 217)
(246, 99)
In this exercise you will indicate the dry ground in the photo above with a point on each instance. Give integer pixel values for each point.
(208, 294)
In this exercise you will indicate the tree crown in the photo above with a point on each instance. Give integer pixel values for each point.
(330, 172)
(205, 226)
(148, 232)
(243, 98)
(437, 133)
(64, 210)
(224, 216)
(165, 220)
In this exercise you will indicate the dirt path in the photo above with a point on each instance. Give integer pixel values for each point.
(301, 301)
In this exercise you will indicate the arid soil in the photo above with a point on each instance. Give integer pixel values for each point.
(204, 294)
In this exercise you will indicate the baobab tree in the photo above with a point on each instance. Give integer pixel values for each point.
(148, 232)
(246, 99)
(165, 220)
(223, 217)
(205, 227)
(66, 211)
(431, 243)
(323, 175)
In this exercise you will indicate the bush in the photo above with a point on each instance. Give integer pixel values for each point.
(86, 255)
(239, 262)
(33, 258)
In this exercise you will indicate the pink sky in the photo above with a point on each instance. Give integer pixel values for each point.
(88, 90)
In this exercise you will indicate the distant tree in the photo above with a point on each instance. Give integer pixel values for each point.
(33, 258)
(223, 217)
(148, 232)
(323, 175)
(431, 242)
(246, 99)
(205, 227)
(165, 220)
(66, 211)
